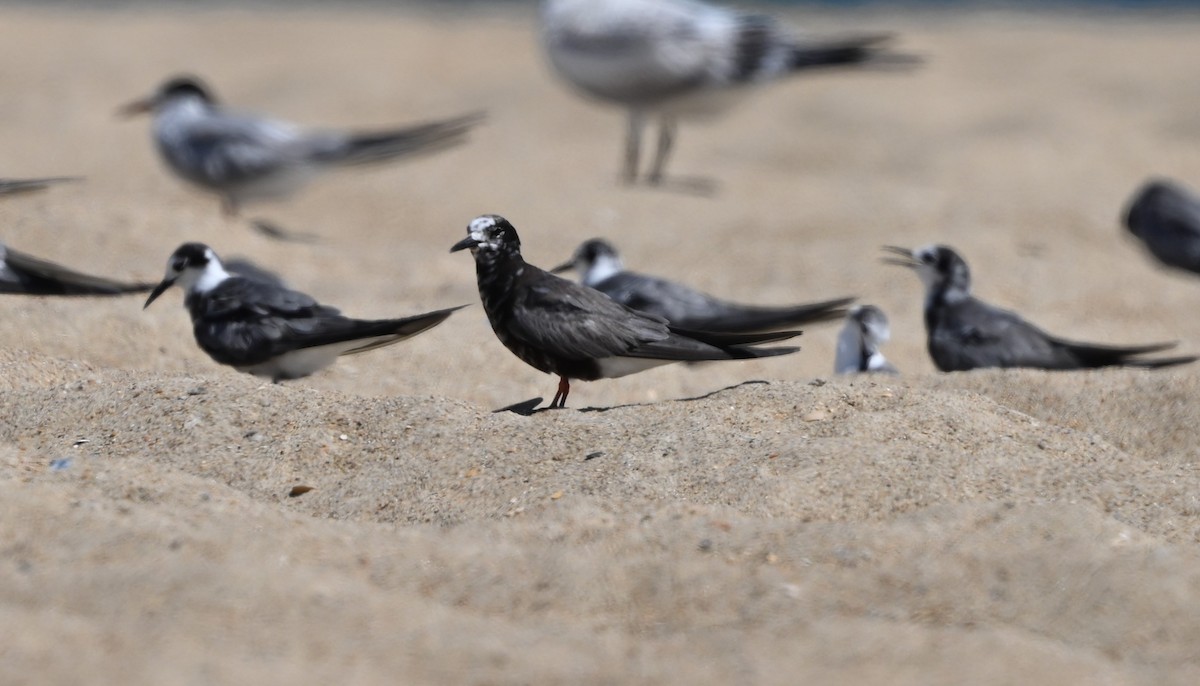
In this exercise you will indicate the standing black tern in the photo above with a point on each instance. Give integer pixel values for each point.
(967, 333)
(242, 157)
(600, 267)
(28, 275)
(560, 327)
(858, 344)
(1166, 218)
(675, 59)
(259, 327)
(11, 186)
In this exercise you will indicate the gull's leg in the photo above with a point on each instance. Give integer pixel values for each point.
(633, 145)
(666, 137)
(560, 398)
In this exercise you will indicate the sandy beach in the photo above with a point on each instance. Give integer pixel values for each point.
(757, 522)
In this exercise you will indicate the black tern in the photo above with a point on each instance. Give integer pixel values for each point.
(11, 186)
(1166, 218)
(560, 327)
(256, 326)
(27, 275)
(600, 267)
(966, 333)
(858, 344)
(675, 59)
(242, 157)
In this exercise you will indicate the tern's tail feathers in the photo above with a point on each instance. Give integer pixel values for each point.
(704, 346)
(388, 331)
(727, 339)
(748, 319)
(412, 140)
(740, 353)
(22, 185)
(38, 277)
(1091, 356)
(849, 50)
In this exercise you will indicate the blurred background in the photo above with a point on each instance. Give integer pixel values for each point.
(1018, 141)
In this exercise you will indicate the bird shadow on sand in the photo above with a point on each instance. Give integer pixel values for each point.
(528, 408)
(695, 186)
(275, 231)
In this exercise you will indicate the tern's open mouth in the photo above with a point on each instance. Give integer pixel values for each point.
(903, 257)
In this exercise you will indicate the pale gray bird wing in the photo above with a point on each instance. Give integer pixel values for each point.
(687, 308)
(226, 149)
(644, 52)
(667, 299)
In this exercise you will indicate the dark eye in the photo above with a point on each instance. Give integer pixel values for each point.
(179, 264)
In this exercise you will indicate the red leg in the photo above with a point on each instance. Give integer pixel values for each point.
(560, 398)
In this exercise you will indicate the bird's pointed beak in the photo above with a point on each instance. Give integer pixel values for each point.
(465, 243)
(564, 267)
(133, 109)
(904, 257)
(158, 290)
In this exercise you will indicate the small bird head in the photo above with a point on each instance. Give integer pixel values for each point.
(173, 90)
(192, 266)
(489, 234)
(941, 269)
(1157, 202)
(872, 322)
(593, 257)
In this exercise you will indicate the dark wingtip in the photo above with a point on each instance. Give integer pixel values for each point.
(1163, 362)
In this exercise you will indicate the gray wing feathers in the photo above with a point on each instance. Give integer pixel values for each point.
(385, 145)
(688, 308)
(581, 323)
(21, 273)
(231, 148)
(979, 336)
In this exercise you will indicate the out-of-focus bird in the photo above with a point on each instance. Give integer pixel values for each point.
(967, 333)
(242, 157)
(677, 59)
(866, 330)
(14, 186)
(1165, 217)
(600, 267)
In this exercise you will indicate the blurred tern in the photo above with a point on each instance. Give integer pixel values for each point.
(560, 327)
(858, 344)
(967, 333)
(257, 326)
(600, 267)
(243, 158)
(27, 275)
(674, 59)
(1166, 218)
